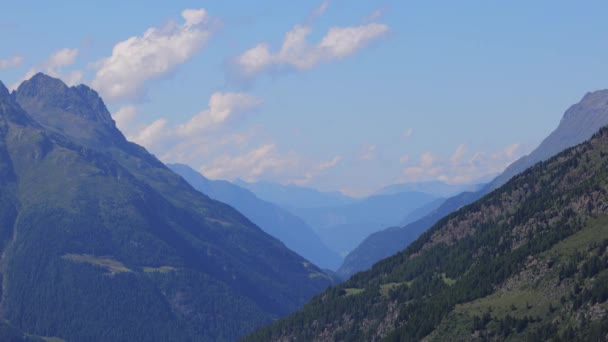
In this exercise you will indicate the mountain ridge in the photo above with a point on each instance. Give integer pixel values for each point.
(528, 261)
(278, 222)
(100, 241)
(578, 124)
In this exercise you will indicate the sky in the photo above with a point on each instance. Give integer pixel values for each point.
(336, 95)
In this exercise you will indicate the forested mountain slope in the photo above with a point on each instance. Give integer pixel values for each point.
(101, 242)
(529, 261)
(276, 221)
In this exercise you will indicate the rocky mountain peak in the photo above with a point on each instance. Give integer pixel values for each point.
(76, 111)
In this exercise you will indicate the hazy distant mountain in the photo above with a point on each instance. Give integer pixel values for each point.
(421, 212)
(577, 125)
(102, 242)
(278, 222)
(342, 228)
(292, 196)
(527, 262)
(340, 221)
(436, 188)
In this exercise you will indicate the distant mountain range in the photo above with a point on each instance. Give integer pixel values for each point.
(276, 221)
(527, 262)
(435, 188)
(343, 222)
(577, 125)
(342, 228)
(100, 241)
(293, 196)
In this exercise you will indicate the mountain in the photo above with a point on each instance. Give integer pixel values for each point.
(100, 241)
(528, 261)
(342, 228)
(421, 212)
(293, 196)
(278, 222)
(577, 125)
(435, 188)
(389, 241)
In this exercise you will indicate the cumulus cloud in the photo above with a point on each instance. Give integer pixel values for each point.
(156, 53)
(267, 161)
(153, 134)
(54, 66)
(212, 142)
(224, 110)
(13, 62)
(296, 52)
(124, 116)
(264, 160)
(461, 166)
(62, 58)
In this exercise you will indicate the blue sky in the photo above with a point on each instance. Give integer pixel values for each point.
(336, 95)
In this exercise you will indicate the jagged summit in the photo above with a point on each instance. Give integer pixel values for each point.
(3, 91)
(76, 111)
(51, 92)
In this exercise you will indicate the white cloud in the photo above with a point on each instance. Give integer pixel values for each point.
(296, 52)
(316, 170)
(71, 78)
(139, 59)
(461, 166)
(404, 159)
(408, 133)
(267, 161)
(12, 62)
(223, 108)
(375, 15)
(459, 153)
(330, 163)
(194, 17)
(368, 152)
(54, 65)
(343, 41)
(211, 142)
(319, 11)
(62, 58)
(152, 135)
(124, 116)
(427, 159)
(264, 160)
